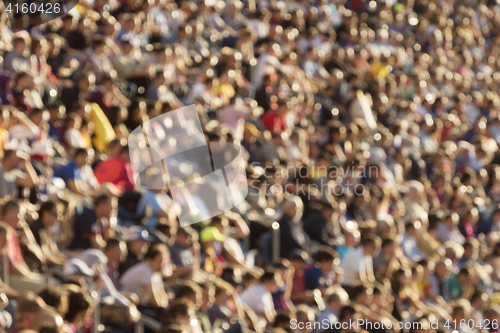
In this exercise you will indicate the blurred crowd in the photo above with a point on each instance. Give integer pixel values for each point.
(370, 133)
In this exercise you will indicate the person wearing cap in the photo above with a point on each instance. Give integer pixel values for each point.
(181, 251)
(232, 249)
(211, 243)
(137, 245)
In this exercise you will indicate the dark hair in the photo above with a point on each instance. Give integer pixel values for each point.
(104, 198)
(387, 241)
(358, 290)
(186, 291)
(345, 311)
(269, 274)
(8, 152)
(333, 298)
(77, 302)
(49, 329)
(324, 255)
(369, 241)
(153, 252)
(56, 298)
(112, 243)
(409, 225)
(47, 206)
(80, 151)
(468, 245)
(9, 205)
(162, 227)
(281, 319)
(174, 310)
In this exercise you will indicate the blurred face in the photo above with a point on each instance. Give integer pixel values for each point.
(117, 254)
(105, 208)
(271, 285)
(81, 160)
(326, 266)
(157, 262)
(49, 218)
(12, 216)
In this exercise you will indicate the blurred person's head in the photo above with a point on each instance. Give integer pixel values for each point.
(10, 159)
(80, 157)
(27, 311)
(155, 258)
(11, 213)
(325, 259)
(103, 206)
(190, 292)
(334, 302)
(48, 213)
(137, 241)
(116, 251)
(388, 247)
(79, 304)
(179, 312)
(55, 297)
(269, 281)
(369, 245)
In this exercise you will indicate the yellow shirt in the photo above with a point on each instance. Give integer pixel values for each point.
(104, 132)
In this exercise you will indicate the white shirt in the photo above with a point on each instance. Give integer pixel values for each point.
(354, 263)
(258, 299)
(137, 278)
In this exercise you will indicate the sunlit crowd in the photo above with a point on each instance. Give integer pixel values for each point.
(369, 131)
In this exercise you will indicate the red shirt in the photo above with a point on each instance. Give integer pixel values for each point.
(115, 171)
(14, 251)
(299, 283)
(273, 122)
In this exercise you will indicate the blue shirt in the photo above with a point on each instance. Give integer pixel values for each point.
(158, 202)
(67, 172)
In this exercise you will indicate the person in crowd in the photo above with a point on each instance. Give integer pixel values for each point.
(41, 229)
(258, 296)
(137, 245)
(78, 175)
(358, 265)
(354, 120)
(12, 177)
(145, 279)
(91, 226)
